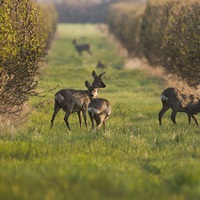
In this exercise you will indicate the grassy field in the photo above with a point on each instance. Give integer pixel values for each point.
(134, 159)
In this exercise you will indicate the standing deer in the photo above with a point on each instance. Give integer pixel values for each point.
(75, 100)
(81, 47)
(100, 64)
(99, 110)
(179, 101)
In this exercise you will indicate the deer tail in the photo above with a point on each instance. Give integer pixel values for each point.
(59, 98)
(163, 97)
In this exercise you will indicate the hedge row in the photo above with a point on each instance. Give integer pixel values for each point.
(166, 32)
(24, 36)
(124, 21)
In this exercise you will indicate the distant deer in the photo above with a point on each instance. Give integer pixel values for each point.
(99, 110)
(100, 64)
(75, 100)
(179, 101)
(81, 47)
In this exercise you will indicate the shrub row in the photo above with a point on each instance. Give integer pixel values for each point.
(24, 36)
(166, 32)
(124, 21)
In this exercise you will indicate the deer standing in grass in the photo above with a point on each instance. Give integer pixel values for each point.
(81, 47)
(71, 100)
(100, 64)
(179, 101)
(99, 110)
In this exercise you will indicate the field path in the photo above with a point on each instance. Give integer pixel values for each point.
(135, 158)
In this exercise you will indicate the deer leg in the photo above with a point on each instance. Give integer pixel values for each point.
(173, 116)
(91, 118)
(80, 53)
(104, 125)
(162, 112)
(85, 118)
(99, 123)
(189, 118)
(56, 110)
(79, 118)
(89, 52)
(193, 117)
(66, 120)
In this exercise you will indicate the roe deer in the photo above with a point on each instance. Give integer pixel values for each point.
(76, 100)
(81, 47)
(179, 101)
(99, 110)
(100, 65)
(73, 101)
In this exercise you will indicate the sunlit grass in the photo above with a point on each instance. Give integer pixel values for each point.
(134, 159)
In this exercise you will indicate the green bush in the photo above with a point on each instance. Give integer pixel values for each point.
(153, 26)
(124, 20)
(24, 36)
(168, 35)
(181, 44)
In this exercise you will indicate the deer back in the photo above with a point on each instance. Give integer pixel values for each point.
(81, 47)
(99, 106)
(175, 96)
(72, 100)
(100, 64)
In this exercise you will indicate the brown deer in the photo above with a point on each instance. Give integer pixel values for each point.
(71, 100)
(100, 64)
(99, 110)
(81, 47)
(179, 101)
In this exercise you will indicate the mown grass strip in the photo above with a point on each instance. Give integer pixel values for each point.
(134, 159)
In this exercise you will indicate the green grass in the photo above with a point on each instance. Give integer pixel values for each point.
(134, 159)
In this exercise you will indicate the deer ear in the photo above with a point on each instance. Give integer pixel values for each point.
(102, 75)
(87, 84)
(94, 74)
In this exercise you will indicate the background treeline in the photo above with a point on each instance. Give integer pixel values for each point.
(84, 11)
(25, 35)
(165, 32)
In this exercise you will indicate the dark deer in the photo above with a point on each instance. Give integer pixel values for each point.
(179, 101)
(75, 100)
(99, 110)
(100, 65)
(81, 47)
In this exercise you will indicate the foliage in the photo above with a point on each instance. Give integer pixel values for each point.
(24, 40)
(153, 30)
(181, 43)
(134, 159)
(168, 36)
(124, 21)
